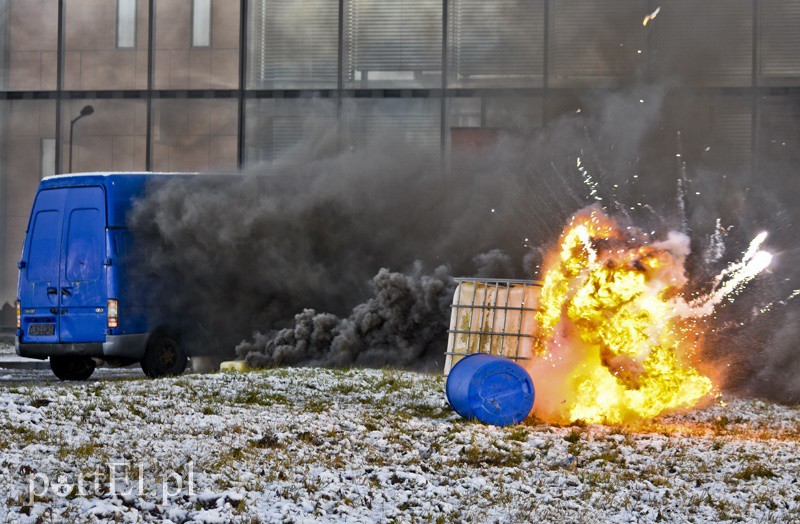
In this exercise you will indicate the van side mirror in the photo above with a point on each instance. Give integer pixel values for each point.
(21, 264)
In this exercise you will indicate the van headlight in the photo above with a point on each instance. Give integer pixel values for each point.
(113, 313)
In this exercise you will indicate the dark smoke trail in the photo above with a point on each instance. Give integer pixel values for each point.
(307, 252)
(242, 254)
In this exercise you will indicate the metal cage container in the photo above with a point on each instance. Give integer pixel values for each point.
(494, 316)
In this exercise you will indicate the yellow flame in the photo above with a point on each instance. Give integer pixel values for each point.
(608, 324)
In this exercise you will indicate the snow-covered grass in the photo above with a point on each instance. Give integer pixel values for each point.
(364, 445)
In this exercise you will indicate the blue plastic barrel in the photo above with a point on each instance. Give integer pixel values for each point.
(492, 389)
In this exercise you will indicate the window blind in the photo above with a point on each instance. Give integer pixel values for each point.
(779, 45)
(595, 42)
(705, 43)
(294, 43)
(392, 41)
(499, 43)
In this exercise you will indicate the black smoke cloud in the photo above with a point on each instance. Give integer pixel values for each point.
(402, 324)
(338, 256)
(307, 251)
(242, 254)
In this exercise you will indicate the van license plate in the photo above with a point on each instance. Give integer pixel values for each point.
(41, 330)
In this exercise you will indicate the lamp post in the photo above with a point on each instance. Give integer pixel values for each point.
(86, 111)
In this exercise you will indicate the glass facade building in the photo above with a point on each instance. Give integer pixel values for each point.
(217, 85)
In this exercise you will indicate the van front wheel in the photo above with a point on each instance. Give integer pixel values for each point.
(163, 356)
(72, 367)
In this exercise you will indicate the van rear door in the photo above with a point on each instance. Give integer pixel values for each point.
(82, 283)
(40, 274)
(62, 283)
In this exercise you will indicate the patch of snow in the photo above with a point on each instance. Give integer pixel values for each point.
(366, 445)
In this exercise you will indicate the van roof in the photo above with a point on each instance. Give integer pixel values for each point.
(121, 189)
(105, 178)
(115, 173)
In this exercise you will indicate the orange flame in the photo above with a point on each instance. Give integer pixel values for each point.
(614, 339)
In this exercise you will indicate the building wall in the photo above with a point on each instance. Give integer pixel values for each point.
(91, 58)
(31, 45)
(504, 65)
(179, 65)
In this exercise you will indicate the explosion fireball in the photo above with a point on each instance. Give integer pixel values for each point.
(617, 340)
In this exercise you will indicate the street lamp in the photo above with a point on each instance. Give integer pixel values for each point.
(86, 111)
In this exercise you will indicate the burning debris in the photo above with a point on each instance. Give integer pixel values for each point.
(652, 16)
(613, 332)
(616, 338)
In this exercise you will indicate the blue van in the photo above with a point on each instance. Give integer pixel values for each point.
(77, 302)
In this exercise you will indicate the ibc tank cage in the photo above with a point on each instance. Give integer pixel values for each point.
(494, 316)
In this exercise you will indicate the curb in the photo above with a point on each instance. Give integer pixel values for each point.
(24, 364)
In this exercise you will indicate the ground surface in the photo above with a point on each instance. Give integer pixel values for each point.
(309, 444)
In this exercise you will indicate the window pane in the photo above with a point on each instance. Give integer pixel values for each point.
(718, 139)
(47, 158)
(92, 58)
(85, 245)
(496, 44)
(180, 65)
(595, 42)
(414, 121)
(779, 130)
(475, 123)
(779, 61)
(110, 139)
(520, 114)
(126, 23)
(201, 23)
(293, 43)
(465, 112)
(393, 44)
(686, 50)
(195, 135)
(277, 126)
(43, 253)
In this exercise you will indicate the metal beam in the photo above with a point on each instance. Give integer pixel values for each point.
(59, 81)
(339, 75)
(452, 92)
(545, 59)
(240, 94)
(443, 120)
(151, 28)
(755, 93)
(5, 42)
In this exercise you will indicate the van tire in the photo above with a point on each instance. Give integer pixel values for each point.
(72, 367)
(163, 356)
